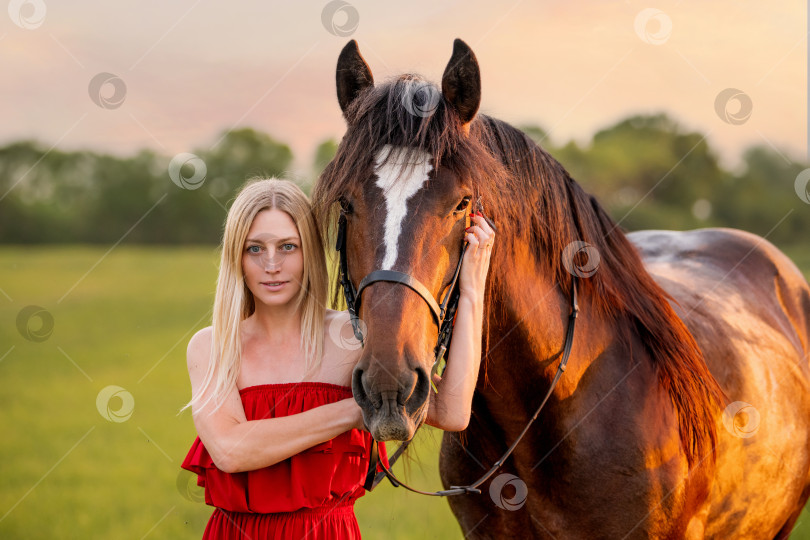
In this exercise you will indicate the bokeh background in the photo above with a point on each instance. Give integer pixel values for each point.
(128, 126)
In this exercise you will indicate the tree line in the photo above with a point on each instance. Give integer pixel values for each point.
(646, 170)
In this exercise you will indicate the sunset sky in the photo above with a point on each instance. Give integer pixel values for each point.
(192, 68)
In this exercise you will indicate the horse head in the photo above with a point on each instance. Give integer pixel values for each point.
(404, 179)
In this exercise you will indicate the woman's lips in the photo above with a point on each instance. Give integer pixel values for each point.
(274, 285)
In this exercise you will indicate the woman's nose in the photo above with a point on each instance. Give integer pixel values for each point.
(273, 261)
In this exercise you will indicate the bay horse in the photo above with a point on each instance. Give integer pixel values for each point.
(684, 411)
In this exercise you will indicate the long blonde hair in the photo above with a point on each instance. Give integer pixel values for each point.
(234, 302)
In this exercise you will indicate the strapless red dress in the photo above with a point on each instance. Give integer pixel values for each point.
(310, 494)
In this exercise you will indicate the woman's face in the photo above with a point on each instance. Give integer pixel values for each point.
(272, 261)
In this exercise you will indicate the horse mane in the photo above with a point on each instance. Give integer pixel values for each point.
(535, 202)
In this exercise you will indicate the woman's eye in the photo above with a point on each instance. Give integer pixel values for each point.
(462, 206)
(288, 247)
(253, 249)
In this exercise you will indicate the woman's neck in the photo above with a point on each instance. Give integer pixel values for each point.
(278, 325)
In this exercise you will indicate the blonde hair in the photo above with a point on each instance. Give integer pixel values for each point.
(234, 302)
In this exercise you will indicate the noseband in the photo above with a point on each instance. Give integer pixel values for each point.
(444, 317)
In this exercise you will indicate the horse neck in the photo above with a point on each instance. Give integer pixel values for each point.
(527, 321)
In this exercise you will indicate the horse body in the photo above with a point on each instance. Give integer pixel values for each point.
(604, 458)
(605, 461)
(748, 307)
(684, 411)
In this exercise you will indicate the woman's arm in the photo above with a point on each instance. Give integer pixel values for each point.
(237, 444)
(450, 408)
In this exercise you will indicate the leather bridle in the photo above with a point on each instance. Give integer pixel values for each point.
(444, 317)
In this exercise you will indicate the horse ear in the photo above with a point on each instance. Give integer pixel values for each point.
(353, 75)
(461, 82)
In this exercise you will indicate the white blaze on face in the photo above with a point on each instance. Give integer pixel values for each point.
(397, 189)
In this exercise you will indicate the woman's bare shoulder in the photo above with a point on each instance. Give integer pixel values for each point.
(199, 348)
(339, 340)
(202, 337)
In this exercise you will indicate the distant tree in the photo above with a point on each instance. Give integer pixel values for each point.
(240, 155)
(647, 171)
(86, 197)
(324, 154)
(762, 199)
(44, 194)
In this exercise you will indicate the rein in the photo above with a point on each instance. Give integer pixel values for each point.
(444, 317)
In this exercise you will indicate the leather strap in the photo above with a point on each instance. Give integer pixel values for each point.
(374, 458)
(393, 276)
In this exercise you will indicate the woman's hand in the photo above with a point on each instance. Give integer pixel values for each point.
(355, 414)
(473, 276)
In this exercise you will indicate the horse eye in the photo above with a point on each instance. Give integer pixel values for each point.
(462, 206)
(346, 206)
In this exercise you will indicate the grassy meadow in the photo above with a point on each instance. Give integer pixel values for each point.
(124, 318)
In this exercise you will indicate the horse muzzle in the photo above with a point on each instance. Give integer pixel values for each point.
(393, 405)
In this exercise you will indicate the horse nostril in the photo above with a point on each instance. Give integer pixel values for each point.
(408, 388)
(359, 392)
(420, 391)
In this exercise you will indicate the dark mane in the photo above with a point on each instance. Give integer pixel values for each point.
(535, 202)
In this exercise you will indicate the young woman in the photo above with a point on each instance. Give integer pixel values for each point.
(281, 449)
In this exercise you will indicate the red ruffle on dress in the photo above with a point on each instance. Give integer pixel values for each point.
(310, 494)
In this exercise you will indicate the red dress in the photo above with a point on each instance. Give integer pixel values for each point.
(310, 494)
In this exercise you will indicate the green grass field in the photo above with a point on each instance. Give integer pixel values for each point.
(124, 319)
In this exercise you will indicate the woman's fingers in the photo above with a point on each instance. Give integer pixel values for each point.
(480, 238)
(480, 234)
(480, 221)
